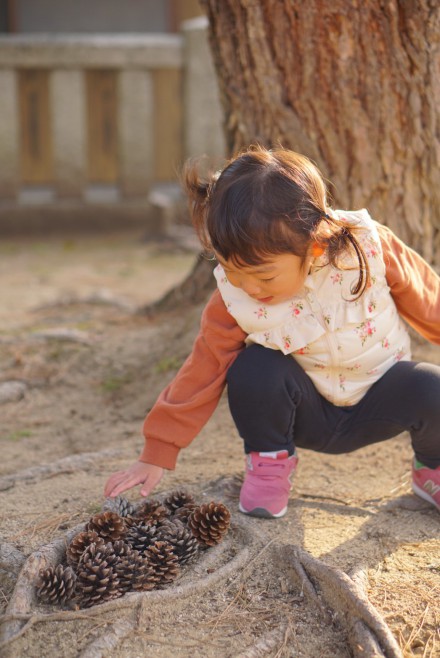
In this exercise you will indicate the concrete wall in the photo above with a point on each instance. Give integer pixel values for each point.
(167, 109)
(106, 16)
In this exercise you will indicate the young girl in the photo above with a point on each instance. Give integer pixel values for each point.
(306, 329)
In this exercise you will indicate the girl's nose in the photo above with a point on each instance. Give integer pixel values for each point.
(251, 288)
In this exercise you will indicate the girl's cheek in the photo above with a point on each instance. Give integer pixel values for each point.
(234, 281)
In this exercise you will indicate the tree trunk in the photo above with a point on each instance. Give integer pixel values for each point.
(194, 289)
(353, 85)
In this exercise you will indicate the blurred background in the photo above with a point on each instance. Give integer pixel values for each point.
(100, 103)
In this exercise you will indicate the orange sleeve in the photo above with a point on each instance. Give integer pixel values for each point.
(414, 285)
(187, 403)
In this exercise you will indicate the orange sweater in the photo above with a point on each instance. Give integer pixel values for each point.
(188, 402)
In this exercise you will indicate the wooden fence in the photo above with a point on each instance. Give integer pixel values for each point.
(97, 117)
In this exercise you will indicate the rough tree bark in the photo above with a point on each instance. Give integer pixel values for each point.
(353, 85)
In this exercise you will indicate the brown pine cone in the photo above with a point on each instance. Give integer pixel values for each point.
(163, 561)
(56, 584)
(139, 537)
(106, 552)
(97, 580)
(184, 544)
(209, 523)
(145, 508)
(79, 544)
(171, 522)
(130, 521)
(108, 525)
(150, 511)
(183, 513)
(135, 572)
(121, 548)
(177, 499)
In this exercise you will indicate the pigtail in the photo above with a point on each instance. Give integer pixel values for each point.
(198, 192)
(342, 239)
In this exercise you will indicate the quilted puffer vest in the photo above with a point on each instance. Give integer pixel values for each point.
(344, 346)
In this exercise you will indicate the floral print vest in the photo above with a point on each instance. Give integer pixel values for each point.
(344, 346)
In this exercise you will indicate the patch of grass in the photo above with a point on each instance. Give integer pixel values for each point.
(114, 383)
(57, 353)
(93, 508)
(7, 248)
(167, 363)
(69, 245)
(17, 435)
(84, 325)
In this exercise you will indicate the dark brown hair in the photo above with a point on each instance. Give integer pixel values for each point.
(267, 202)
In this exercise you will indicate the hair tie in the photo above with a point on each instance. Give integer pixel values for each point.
(317, 250)
(212, 183)
(326, 215)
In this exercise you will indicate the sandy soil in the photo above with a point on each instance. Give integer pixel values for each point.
(87, 390)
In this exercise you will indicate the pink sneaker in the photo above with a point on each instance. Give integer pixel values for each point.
(266, 486)
(426, 482)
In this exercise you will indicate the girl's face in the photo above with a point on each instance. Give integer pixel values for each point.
(277, 279)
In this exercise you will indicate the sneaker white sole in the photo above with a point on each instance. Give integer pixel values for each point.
(262, 513)
(423, 494)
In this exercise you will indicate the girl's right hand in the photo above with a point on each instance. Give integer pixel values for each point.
(138, 473)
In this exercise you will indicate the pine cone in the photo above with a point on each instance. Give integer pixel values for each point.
(184, 544)
(107, 551)
(120, 548)
(151, 512)
(79, 544)
(183, 513)
(163, 561)
(97, 580)
(177, 499)
(56, 584)
(171, 522)
(209, 523)
(139, 537)
(135, 572)
(120, 505)
(109, 525)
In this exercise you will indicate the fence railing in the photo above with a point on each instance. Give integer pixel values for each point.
(95, 118)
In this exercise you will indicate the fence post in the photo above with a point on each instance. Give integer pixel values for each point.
(69, 131)
(136, 139)
(9, 139)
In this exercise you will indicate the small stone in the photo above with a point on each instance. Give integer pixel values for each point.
(12, 391)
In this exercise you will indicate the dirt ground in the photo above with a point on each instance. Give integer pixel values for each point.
(88, 367)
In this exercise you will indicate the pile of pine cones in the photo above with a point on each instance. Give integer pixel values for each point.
(126, 548)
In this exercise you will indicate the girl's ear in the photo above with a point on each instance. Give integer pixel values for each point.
(317, 250)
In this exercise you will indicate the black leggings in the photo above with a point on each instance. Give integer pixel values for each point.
(276, 406)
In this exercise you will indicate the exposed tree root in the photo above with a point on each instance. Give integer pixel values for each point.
(110, 639)
(19, 617)
(70, 464)
(368, 634)
(64, 335)
(339, 598)
(98, 298)
(23, 597)
(268, 642)
(11, 559)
